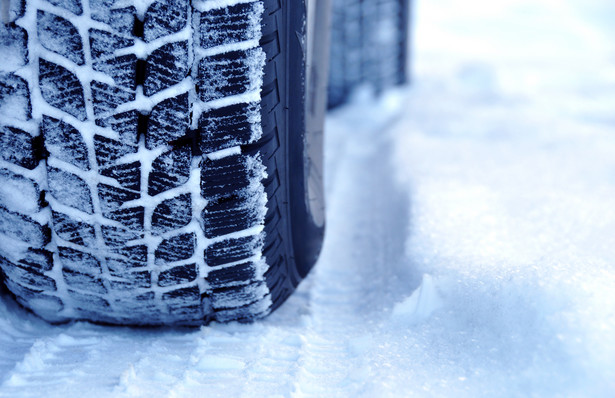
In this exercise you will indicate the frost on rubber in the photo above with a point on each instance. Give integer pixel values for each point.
(369, 45)
(138, 160)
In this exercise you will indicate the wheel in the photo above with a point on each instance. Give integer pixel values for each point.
(157, 159)
(370, 45)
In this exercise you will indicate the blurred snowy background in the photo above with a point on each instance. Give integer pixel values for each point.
(470, 247)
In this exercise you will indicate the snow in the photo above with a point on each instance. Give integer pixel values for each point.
(420, 305)
(222, 153)
(17, 193)
(208, 5)
(470, 241)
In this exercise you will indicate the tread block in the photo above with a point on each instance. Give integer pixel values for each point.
(166, 66)
(146, 297)
(231, 24)
(122, 69)
(272, 183)
(269, 72)
(26, 276)
(272, 218)
(270, 101)
(352, 59)
(30, 297)
(247, 313)
(168, 121)
(187, 296)
(79, 261)
(112, 198)
(238, 296)
(117, 237)
(132, 280)
(17, 147)
(20, 227)
(231, 250)
(228, 276)
(178, 275)
(38, 259)
(121, 20)
(61, 89)
(119, 267)
(268, 146)
(144, 308)
(58, 35)
(73, 231)
(73, 6)
(180, 247)
(229, 126)
(171, 214)
(89, 304)
(137, 255)
(127, 175)
(109, 151)
(271, 43)
(270, 75)
(13, 47)
(125, 124)
(103, 44)
(169, 170)
(19, 193)
(86, 282)
(224, 177)
(131, 218)
(165, 17)
(228, 215)
(64, 142)
(107, 98)
(47, 304)
(14, 98)
(192, 313)
(230, 73)
(69, 189)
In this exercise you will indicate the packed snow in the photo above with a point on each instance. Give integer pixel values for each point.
(470, 245)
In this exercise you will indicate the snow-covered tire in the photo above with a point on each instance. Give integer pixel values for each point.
(370, 42)
(146, 159)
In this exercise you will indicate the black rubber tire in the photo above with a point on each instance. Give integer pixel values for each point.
(146, 159)
(370, 45)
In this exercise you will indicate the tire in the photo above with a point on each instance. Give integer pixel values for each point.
(370, 45)
(146, 159)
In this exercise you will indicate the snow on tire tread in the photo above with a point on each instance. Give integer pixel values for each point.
(121, 119)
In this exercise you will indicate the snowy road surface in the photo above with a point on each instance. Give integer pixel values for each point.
(470, 248)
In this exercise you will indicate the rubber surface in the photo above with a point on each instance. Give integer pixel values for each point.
(370, 42)
(149, 146)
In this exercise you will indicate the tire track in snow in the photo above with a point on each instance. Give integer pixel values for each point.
(240, 361)
(61, 359)
(361, 271)
(18, 335)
